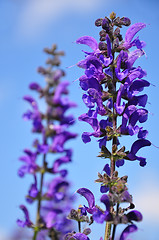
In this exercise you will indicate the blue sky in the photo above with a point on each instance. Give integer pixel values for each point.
(26, 28)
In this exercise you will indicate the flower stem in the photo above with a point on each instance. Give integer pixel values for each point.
(114, 227)
(79, 226)
(40, 197)
(107, 231)
(35, 234)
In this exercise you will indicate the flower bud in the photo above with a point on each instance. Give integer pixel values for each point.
(87, 231)
(112, 15)
(102, 46)
(98, 22)
(105, 24)
(125, 21)
(116, 43)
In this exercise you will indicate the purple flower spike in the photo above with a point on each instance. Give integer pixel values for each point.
(129, 229)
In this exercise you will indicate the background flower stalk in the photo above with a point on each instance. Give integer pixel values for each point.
(50, 192)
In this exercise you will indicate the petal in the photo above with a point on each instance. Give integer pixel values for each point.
(80, 236)
(133, 56)
(98, 216)
(132, 30)
(86, 137)
(139, 100)
(120, 162)
(104, 189)
(134, 216)
(27, 221)
(35, 86)
(89, 41)
(31, 100)
(136, 147)
(129, 229)
(88, 195)
(105, 199)
(107, 169)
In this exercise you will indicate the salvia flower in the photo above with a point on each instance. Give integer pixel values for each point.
(112, 87)
(53, 197)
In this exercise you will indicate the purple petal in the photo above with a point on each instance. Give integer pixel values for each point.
(89, 41)
(132, 30)
(136, 147)
(88, 195)
(119, 108)
(139, 115)
(31, 100)
(35, 86)
(86, 137)
(120, 162)
(61, 89)
(102, 141)
(27, 221)
(79, 236)
(129, 229)
(104, 189)
(142, 133)
(134, 216)
(88, 100)
(133, 56)
(105, 199)
(107, 169)
(99, 216)
(139, 100)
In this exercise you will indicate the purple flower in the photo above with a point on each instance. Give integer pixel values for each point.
(61, 89)
(60, 139)
(129, 229)
(34, 115)
(130, 33)
(30, 164)
(89, 41)
(27, 221)
(135, 148)
(100, 216)
(33, 191)
(107, 61)
(89, 197)
(76, 236)
(123, 56)
(57, 188)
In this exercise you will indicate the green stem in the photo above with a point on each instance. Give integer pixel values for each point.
(40, 197)
(35, 234)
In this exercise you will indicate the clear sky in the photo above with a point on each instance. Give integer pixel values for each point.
(26, 28)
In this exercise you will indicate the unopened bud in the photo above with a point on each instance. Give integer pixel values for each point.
(125, 21)
(98, 22)
(112, 15)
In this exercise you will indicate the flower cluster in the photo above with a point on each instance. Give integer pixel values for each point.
(112, 86)
(52, 196)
